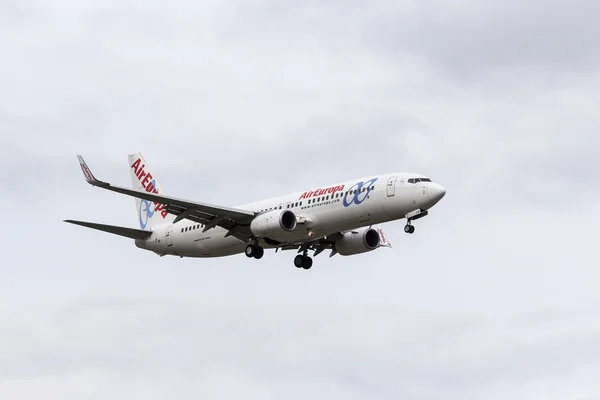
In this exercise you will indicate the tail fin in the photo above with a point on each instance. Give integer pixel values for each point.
(149, 214)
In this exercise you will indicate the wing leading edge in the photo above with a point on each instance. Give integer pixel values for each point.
(235, 221)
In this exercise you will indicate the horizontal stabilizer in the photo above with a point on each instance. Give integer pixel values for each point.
(116, 230)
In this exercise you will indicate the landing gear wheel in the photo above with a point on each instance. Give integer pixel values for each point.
(298, 261)
(307, 262)
(259, 252)
(251, 250)
(409, 229)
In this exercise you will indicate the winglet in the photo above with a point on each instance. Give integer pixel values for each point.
(383, 242)
(87, 173)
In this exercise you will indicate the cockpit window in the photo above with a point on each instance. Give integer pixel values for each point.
(417, 180)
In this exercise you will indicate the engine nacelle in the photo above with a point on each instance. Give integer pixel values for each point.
(273, 224)
(365, 239)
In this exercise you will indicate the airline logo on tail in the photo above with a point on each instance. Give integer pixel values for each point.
(148, 182)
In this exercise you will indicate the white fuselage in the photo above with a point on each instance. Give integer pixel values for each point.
(320, 212)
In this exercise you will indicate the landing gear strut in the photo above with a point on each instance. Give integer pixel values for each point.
(255, 251)
(303, 261)
(412, 216)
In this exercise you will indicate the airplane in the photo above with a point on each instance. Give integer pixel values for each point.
(342, 217)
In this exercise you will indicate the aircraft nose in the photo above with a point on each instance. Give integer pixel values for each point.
(436, 192)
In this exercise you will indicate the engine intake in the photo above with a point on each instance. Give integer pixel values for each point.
(358, 241)
(273, 224)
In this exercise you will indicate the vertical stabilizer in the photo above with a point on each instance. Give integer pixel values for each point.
(149, 214)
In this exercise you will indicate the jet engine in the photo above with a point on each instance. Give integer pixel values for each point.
(273, 224)
(358, 241)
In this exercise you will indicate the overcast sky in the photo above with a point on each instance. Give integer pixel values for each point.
(496, 295)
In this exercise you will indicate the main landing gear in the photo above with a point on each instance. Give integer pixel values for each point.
(255, 251)
(303, 261)
(408, 228)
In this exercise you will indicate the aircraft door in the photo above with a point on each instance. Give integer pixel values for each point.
(391, 186)
(168, 237)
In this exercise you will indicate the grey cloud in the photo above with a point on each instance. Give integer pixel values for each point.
(471, 39)
(370, 354)
(237, 101)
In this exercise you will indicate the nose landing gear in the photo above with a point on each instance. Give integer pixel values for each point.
(410, 217)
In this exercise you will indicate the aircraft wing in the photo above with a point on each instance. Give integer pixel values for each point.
(324, 243)
(236, 221)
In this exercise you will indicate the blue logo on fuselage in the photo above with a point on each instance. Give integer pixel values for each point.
(356, 194)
